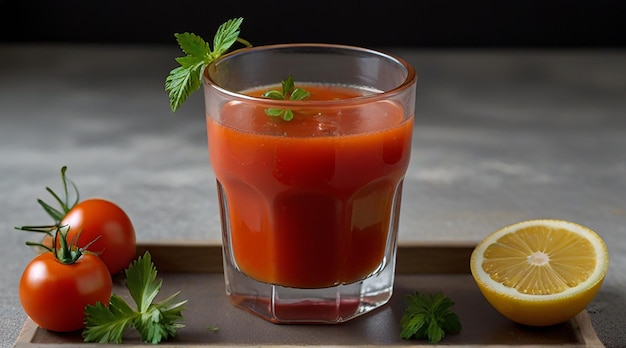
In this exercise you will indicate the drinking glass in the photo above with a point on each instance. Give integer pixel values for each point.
(310, 205)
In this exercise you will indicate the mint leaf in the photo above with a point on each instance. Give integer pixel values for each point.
(185, 79)
(193, 45)
(289, 92)
(226, 36)
(299, 94)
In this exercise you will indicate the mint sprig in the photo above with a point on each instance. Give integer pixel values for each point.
(289, 92)
(155, 321)
(429, 317)
(187, 78)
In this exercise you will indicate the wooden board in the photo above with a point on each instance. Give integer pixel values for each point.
(195, 269)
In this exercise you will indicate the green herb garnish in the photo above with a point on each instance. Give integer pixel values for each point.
(213, 328)
(429, 317)
(154, 321)
(289, 92)
(187, 78)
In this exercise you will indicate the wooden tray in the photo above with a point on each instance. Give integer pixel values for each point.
(196, 270)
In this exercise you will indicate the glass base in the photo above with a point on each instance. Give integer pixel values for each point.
(331, 305)
(328, 305)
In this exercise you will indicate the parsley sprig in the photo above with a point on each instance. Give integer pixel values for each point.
(429, 317)
(155, 321)
(289, 92)
(187, 78)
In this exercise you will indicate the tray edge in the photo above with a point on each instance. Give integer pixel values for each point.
(413, 257)
(582, 321)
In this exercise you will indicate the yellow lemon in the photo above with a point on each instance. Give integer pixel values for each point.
(540, 272)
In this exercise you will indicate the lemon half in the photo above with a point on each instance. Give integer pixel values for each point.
(540, 272)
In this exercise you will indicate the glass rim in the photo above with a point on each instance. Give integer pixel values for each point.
(409, 81)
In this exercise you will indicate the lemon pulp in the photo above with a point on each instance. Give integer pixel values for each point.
(540, 272)
(540, 262)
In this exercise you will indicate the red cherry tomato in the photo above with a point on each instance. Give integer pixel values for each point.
(105, 224)
(54, 294)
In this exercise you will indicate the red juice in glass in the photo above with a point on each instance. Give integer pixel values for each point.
(309, 207)
(310, 200)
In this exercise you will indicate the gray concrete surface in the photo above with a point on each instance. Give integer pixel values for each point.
(500, 136)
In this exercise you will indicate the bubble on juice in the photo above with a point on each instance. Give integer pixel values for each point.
(326, 126)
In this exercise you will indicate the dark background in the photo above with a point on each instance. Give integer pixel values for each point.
(429, 23)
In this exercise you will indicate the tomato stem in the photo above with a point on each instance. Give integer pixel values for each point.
(39, 245)
(68, 253)
(47, 229)
(56, 214)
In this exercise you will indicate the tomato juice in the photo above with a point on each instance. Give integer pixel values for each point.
(309, 201)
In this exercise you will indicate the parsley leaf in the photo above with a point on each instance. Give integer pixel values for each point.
(289, 92)
(155, 321)
(429, 317)
(187, 78)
